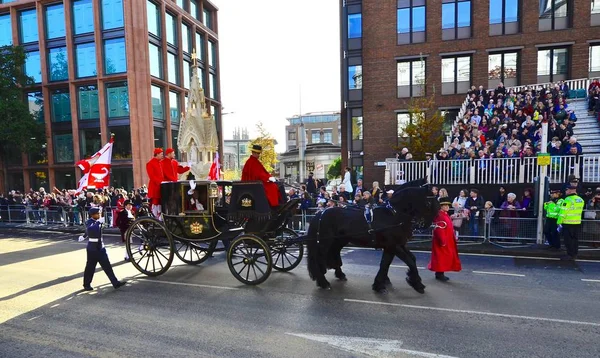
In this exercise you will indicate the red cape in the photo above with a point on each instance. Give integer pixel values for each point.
(254, 171)
(155, 175)
(444, 252)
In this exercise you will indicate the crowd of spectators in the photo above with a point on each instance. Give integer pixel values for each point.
(594, 98)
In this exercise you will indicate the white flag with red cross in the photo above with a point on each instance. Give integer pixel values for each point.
(96, 169)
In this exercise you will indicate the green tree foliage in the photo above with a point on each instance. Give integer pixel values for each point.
(268, 158)
(19, 131)
(335, 170)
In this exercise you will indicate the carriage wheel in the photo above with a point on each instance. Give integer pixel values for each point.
(149, 246)
(286, 255)
(194, 253)
(249, 259)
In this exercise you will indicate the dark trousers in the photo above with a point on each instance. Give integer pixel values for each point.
(551, 233)
(94, 257)
(570, 238)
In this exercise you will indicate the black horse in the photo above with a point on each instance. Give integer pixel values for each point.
(390, 229)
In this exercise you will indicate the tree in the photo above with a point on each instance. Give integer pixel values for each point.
(268, 158)
(335, 170)
(424, 131)
(232, 174)
(19, 131)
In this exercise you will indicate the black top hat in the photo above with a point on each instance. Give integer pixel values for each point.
(127, 202)
(256, 148)
(445, 201)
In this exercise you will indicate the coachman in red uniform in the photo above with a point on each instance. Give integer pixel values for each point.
(171, 169)
(255, 171)
(156, 176)
(444, 251)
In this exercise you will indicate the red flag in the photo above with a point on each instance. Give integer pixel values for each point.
(215, 169)
(96, 170)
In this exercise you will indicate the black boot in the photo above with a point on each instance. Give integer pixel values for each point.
(440, 276)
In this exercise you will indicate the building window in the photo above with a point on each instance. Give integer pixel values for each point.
(186, 74)
(179, 3)
(33, 66)
(83, 17)
(193, 9)
(595, 6)
(155, 61)
(402, 120)
(171, 24)
(291, 135)
(212, 54)
(595, 60)
(35, 102)
(5, 30)
(456, 74)
(55, 21)
(201, 81)
(65, 179)
(554, 15)
(504, 17)
(212, 79)
(173, 68)
(315, 136)
(208, 18)
(85, 55)
(153, 19)
(63, 147)
(411, 21)
(115, 60)
(456, 19)
(122, 147)
(157, 103)
(39, 178)
(61, 106)
(328, 136)
(174, 107)
(90, 142)
(411, 78)
(553, 65)
(58, 64)
(503, 67)
(357, 128)
(159, 137)
(117, 99)
(200, 46)
(355, 77)
(28, 26)
(112, 14)
(354, 26)
(88, 103)
(174, 138)
(185, 39)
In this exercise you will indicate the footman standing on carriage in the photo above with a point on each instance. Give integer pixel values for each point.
(156, 176)
(170, 167)
(255, 171)
(444, 251)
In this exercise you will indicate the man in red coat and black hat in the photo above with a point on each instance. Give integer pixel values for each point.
(444, 251)
(255, 171)
(156, 176)
(171, 168)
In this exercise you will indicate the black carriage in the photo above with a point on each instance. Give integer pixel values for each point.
(256, 237)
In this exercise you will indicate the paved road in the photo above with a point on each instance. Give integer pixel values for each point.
(495, 307)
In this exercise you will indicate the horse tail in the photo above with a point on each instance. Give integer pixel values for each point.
(313, 247)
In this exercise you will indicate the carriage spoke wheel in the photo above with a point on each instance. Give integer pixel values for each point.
(149, 246)
(194, 253)
(249, 259)
(287, 254)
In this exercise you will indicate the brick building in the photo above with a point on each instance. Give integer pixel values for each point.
(108, 66)
(389, 46)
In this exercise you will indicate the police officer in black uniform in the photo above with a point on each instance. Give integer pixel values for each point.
(96, 252)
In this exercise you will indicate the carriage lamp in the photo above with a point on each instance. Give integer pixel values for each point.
(213, 190)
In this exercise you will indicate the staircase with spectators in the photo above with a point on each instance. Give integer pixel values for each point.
(587, 128)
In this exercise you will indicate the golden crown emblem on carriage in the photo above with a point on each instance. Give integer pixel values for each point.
(196, 228)
(246, 203)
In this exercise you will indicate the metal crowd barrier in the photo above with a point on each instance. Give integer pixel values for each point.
(53, 215)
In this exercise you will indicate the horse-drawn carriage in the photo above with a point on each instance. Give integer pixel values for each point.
(194, 219)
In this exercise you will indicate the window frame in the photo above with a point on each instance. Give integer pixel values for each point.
(46, 21)
(597, 60)
(21, 27)
(402, 136)
(456, 75)
(455, 29)
(77, 62)
(503, 66)
(412, 5)
(552, 50)
(106, 58)
(53, 111)
(162, 102)
(353, 17)
(73, 17)
(120, 111)
(87, 89)
(503, 21)
(411, 85)
(553, 17)
(177, 101)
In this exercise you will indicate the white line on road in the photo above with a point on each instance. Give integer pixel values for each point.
(403, 266)
(188, 284)
(499, 273)
(531, 318)
(509, 256)
(56, 305)
(589, 280)
(32, 318)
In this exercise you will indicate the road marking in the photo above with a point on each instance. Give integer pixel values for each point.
(510, 256)
(403, 266)
(505, 315)
(56, 305)
(588, 280)
(188, 284)
(32, 318)
(368, 346)
(499, 273)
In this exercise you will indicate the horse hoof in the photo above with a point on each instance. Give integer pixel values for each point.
(417, 286)
(387, 281)
(379, 288)
(343, 278)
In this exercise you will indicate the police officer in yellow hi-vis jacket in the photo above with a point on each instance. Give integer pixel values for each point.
(569, 221)
(552, 208)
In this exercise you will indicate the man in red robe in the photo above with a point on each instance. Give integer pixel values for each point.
(255, 171)
(444, 251)
(170, 166)
(156, 176)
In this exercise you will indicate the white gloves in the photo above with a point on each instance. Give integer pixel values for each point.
(192, 184)
(80, 238)
(272, 179)
(101, 220)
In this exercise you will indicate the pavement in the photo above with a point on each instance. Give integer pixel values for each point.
(497, 306)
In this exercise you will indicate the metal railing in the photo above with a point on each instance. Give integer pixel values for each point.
(52, 215)
(492, 170)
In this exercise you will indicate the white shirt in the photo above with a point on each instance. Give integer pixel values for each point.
(347, 183)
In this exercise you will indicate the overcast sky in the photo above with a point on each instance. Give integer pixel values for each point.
(268, 50)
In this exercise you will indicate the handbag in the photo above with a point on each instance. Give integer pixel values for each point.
(589, 215)
(457, 220)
